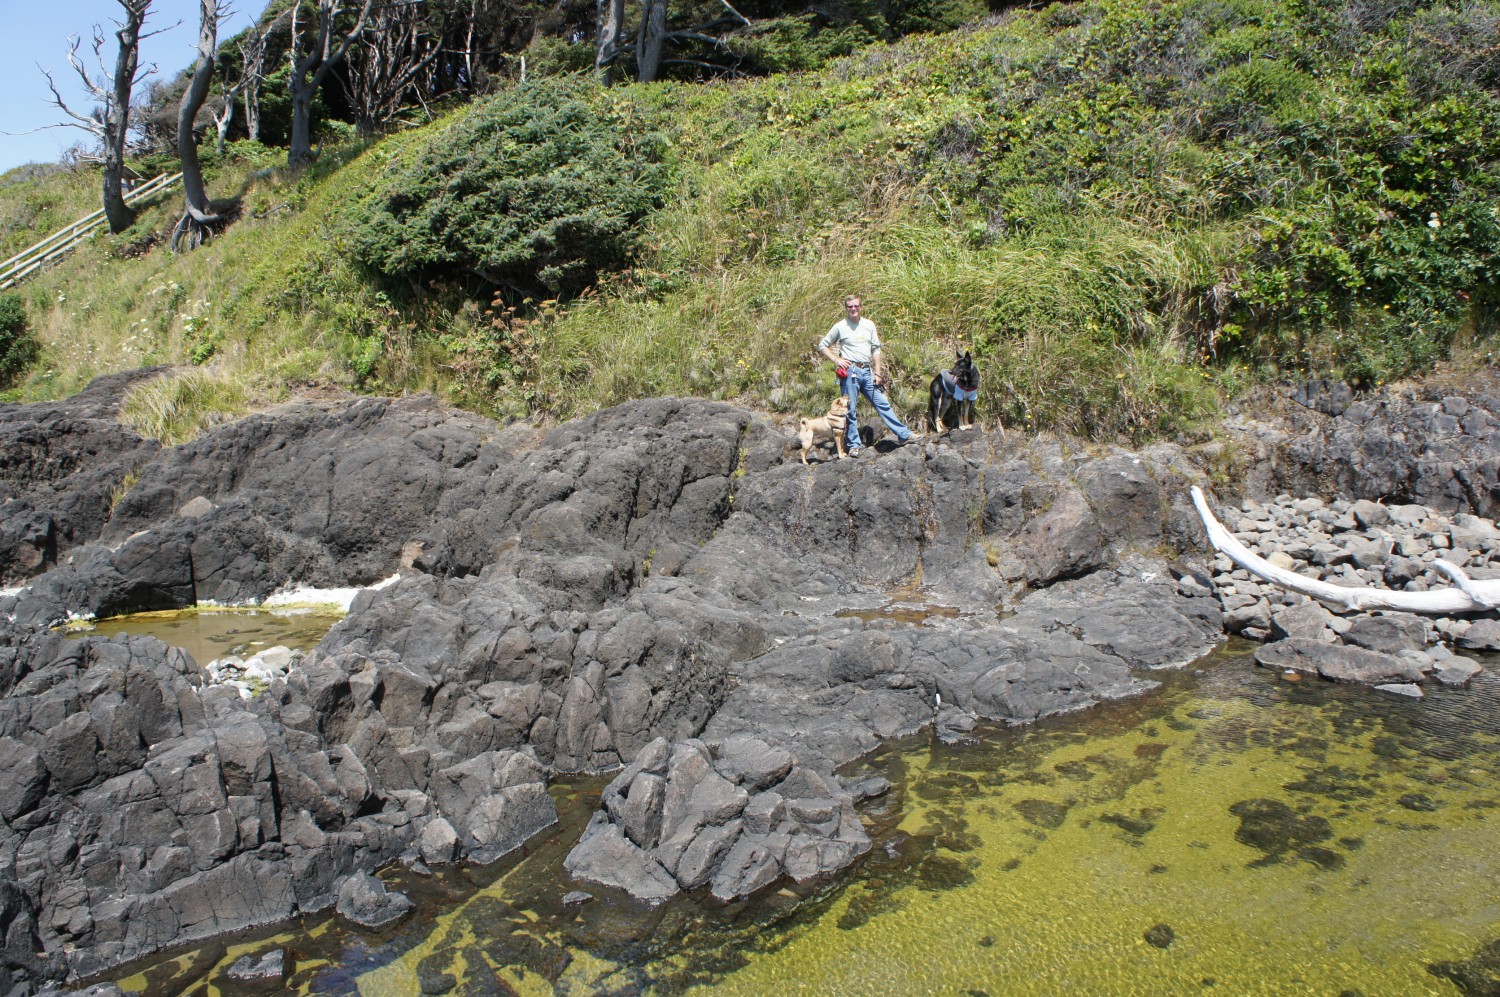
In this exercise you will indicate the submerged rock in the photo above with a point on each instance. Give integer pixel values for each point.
(268, 969)
(365, 900)
(1275, 829)
(1161, 936)
(1476, 976)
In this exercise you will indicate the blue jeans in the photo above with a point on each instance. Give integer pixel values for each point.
(861, 381)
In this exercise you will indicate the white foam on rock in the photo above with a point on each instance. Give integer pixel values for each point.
(343, 598)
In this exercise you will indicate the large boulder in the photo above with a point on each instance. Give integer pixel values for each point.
(1341, 663)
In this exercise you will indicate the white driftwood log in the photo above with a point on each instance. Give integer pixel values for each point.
(1466, 596)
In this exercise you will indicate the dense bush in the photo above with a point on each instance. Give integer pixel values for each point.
(18, 348)
(1350, 151)
(540, 187)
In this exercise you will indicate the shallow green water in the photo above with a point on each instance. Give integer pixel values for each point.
(1268, 837)
(207, 634)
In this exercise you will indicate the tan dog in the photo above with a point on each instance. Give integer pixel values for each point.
(834, 424)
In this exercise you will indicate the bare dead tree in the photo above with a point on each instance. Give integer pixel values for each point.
(224, 116)
(654, 33)
(470, 25)
(392, 62)
(610, 39)
(110, 124)
(253, 59)
(198, 217)
(649, 39)
(310, 64)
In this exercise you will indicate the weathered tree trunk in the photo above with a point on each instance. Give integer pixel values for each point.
(198, 217)
(299, 152)
(649, 42)
(608, 40)
(117, 114)
(1468, 595)
(222, 120)
(309, 69)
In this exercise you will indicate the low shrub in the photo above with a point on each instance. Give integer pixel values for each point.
(540, 187)
(18, 348)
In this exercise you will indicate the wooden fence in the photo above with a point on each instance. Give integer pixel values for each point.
(64, 240)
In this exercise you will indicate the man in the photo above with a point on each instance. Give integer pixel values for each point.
(858, 364)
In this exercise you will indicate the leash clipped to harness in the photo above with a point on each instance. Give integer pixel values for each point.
(953, 391)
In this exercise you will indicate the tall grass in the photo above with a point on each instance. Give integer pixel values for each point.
(1060, 191)
(36, 201)
(176, 407)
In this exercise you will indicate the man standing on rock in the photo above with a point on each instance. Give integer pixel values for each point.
(858, 364)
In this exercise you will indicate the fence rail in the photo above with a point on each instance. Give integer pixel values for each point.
(66, 239)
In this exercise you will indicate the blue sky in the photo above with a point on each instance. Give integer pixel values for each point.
(36, 32)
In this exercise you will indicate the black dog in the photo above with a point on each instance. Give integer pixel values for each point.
(953, 392)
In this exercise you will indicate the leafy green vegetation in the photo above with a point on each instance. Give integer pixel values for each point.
(17, 346)
(1128, 210)
(541, 190)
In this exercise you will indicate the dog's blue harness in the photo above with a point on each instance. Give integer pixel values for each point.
(952, 390)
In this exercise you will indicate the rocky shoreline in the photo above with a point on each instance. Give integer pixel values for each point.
(654, 590)
(1360, 544)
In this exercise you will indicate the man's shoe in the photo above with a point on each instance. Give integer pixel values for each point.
(855, 452)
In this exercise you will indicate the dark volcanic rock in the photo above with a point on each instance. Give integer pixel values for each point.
(60, 465)
(1435, 447)
(321, 494)
(649, 589)
(365, 900)
(1339, 662)
(1328, 397)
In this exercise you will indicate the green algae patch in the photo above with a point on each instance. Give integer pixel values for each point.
(1234, 835)
(1230, 834)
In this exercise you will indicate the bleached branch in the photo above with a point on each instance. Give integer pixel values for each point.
(1467, 596)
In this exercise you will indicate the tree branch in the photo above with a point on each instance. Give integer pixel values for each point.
(736, 13)
(730, 70)
(89, 124)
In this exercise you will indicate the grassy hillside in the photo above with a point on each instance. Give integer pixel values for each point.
(1129, 210)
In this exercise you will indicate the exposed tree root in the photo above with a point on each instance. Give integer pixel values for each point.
(195, 228)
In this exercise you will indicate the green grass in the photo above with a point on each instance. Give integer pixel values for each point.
(1128, 211)
(176, 407)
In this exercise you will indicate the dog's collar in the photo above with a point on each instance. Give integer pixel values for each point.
(951, 388)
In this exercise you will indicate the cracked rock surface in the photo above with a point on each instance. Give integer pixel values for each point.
(660, 590)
